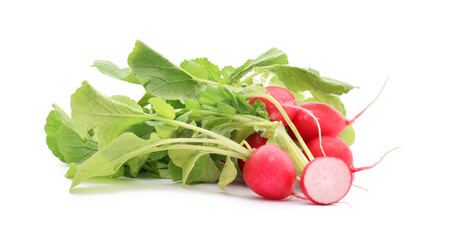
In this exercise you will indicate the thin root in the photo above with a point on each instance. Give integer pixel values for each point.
(299, 196)
(346, 203)
(375, 99)
(375, 164)
(354, 185)
(318, 126)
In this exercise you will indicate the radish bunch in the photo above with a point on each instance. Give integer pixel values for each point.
(328, 175)
(192, 123)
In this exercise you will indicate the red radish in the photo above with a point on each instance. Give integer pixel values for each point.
(255, 141)
(284, 97)
(331, 121)
(331, 147)
(270, 172)
(326, 180)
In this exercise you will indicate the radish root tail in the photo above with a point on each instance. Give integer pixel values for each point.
(376, 163)
(299, 196)
(375, 99)
(357, 186)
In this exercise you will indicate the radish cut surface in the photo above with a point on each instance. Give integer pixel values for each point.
(326, 180)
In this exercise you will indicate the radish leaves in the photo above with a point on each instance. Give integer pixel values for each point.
(107, 116)
(191, 122)
(162, 78)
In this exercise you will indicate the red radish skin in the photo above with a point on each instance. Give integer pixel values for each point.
(331, 121)
(332, 147)
(270, 172)
(255, 141)
(284, 97)
(326, 180)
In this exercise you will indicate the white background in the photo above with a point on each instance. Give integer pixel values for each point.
(46, 50)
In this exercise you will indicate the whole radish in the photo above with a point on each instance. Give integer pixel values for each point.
(284, 97)
(331, 147)
(270, 172)
(331, 121)
(255, 141)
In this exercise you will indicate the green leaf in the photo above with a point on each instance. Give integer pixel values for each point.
(260, 108)
(214, 96)
(251, 89)
(269, 58)
(203, 171)
(227, 71)
(162, 108)
(143, 102)
(107, 116)
(74, 148)
(162, 78)
(108, 160)
(63, 141)
(125, 100)
(156, 165)
(142, 130)
(196, 165)
(228, 174)
(300, 79)
(176, 104)
(73, 167)
(348, 135)
(175, 172)
(110, 69)
(165, 130)
(136, 163)
(186, 159)
(225, 108)
(202, 68)
(62, 116)
(52, 126)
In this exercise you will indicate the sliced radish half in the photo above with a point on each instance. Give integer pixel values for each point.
(326, 180)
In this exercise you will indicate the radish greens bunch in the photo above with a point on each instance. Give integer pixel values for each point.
(199, 123)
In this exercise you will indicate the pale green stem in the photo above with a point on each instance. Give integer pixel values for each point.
(238, 117)
(252, 118)
(247, 145)
(287, 119)
(247, 79)
(299, 159)
(157, 147)
(193, 140)
(210, 150)
(228, 142)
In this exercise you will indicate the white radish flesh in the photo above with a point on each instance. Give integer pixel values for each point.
(326, 180)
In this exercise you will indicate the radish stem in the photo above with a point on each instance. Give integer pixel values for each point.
(288, 121)
(209, 150)
(299, 159)
(248, 79)
(227, 141)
